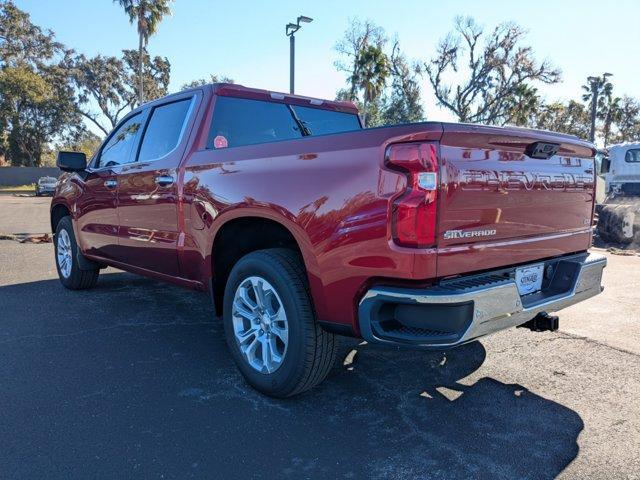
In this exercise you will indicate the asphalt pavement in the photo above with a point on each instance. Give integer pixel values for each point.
(24, 214)
(133, 380)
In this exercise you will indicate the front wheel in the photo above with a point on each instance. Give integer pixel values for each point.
(270, 324)
(66, 250)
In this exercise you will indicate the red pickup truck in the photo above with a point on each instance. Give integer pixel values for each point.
(304, 226)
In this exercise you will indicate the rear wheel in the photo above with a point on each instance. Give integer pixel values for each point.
(619, 223)
(270, 324)
(66, 250)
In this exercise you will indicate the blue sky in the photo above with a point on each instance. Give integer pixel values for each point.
(245, 39)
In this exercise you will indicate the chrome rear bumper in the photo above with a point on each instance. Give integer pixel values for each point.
(474, 306)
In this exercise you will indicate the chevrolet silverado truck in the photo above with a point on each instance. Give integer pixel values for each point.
(304, 226)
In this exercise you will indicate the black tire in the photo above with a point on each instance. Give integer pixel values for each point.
(37, 192)
(610, 224)
(77, 279)
(311, 351)
(604, 218)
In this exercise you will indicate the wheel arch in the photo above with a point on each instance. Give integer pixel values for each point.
(246, 230)
(58, 211)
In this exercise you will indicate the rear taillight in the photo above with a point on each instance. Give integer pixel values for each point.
(413, 213)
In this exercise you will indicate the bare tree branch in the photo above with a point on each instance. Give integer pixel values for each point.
(495, 70)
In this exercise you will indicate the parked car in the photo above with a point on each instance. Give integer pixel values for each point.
(46, 186)
(303, 226)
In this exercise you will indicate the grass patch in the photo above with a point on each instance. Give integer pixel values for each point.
(18, 188)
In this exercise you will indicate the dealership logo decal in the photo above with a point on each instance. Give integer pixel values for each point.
(529, 279)
(452, 234)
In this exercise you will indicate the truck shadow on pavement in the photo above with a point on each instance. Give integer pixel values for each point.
(133, 379)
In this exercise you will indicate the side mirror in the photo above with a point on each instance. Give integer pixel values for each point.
(71, 161)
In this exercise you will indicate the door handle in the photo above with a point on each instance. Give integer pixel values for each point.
(164, 180)
(111, 184)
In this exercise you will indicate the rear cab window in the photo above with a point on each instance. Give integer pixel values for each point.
(241, 121)
(164, 130)
(323, 122)
(632, 155)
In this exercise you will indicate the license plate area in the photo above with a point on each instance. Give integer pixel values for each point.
(529, 278)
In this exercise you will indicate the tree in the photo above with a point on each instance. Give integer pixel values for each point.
(22, 42)
(37, 101)
(203, 81)
(369, 65)
(492, 68)
(110, 83)
(604, 106)
(523, 106)
(147, 15)
(372, 70)
(356, 38)
(156, 73)
(102, 80)
(404, 103)
(571, 118)
(610, 114)
(86, 142)
(373, 115)
(627, 123)
(594, 93)
(619, 117)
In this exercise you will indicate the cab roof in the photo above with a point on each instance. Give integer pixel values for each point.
(235, 90)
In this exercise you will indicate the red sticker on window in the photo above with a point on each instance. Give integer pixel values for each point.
(220, 142)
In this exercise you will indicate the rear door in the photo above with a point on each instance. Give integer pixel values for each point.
(96, 214)
(148, 190)
(501, 206)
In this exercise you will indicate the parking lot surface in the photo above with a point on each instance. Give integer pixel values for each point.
(133, 380)
(24, 215)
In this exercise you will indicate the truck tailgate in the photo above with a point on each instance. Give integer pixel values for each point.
(499, 206)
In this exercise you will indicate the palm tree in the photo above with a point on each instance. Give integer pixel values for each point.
(147, 14)
(610, 113)
(595, 92)
(370, 74)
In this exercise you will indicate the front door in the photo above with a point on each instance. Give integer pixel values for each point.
(96, 217)
(96, 214)
(148, 192)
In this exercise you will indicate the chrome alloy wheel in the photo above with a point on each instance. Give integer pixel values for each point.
(260, 324)
(65, 258)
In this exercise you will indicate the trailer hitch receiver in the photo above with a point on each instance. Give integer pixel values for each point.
(542, 322)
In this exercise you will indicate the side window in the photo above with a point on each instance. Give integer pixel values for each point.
(119, 149)
(239, 121)
(164, 130)
(632, 155)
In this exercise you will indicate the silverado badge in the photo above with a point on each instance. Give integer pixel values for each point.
(452, 234)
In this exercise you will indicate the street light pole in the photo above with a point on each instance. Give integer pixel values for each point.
(292, 63)
(290, 30)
